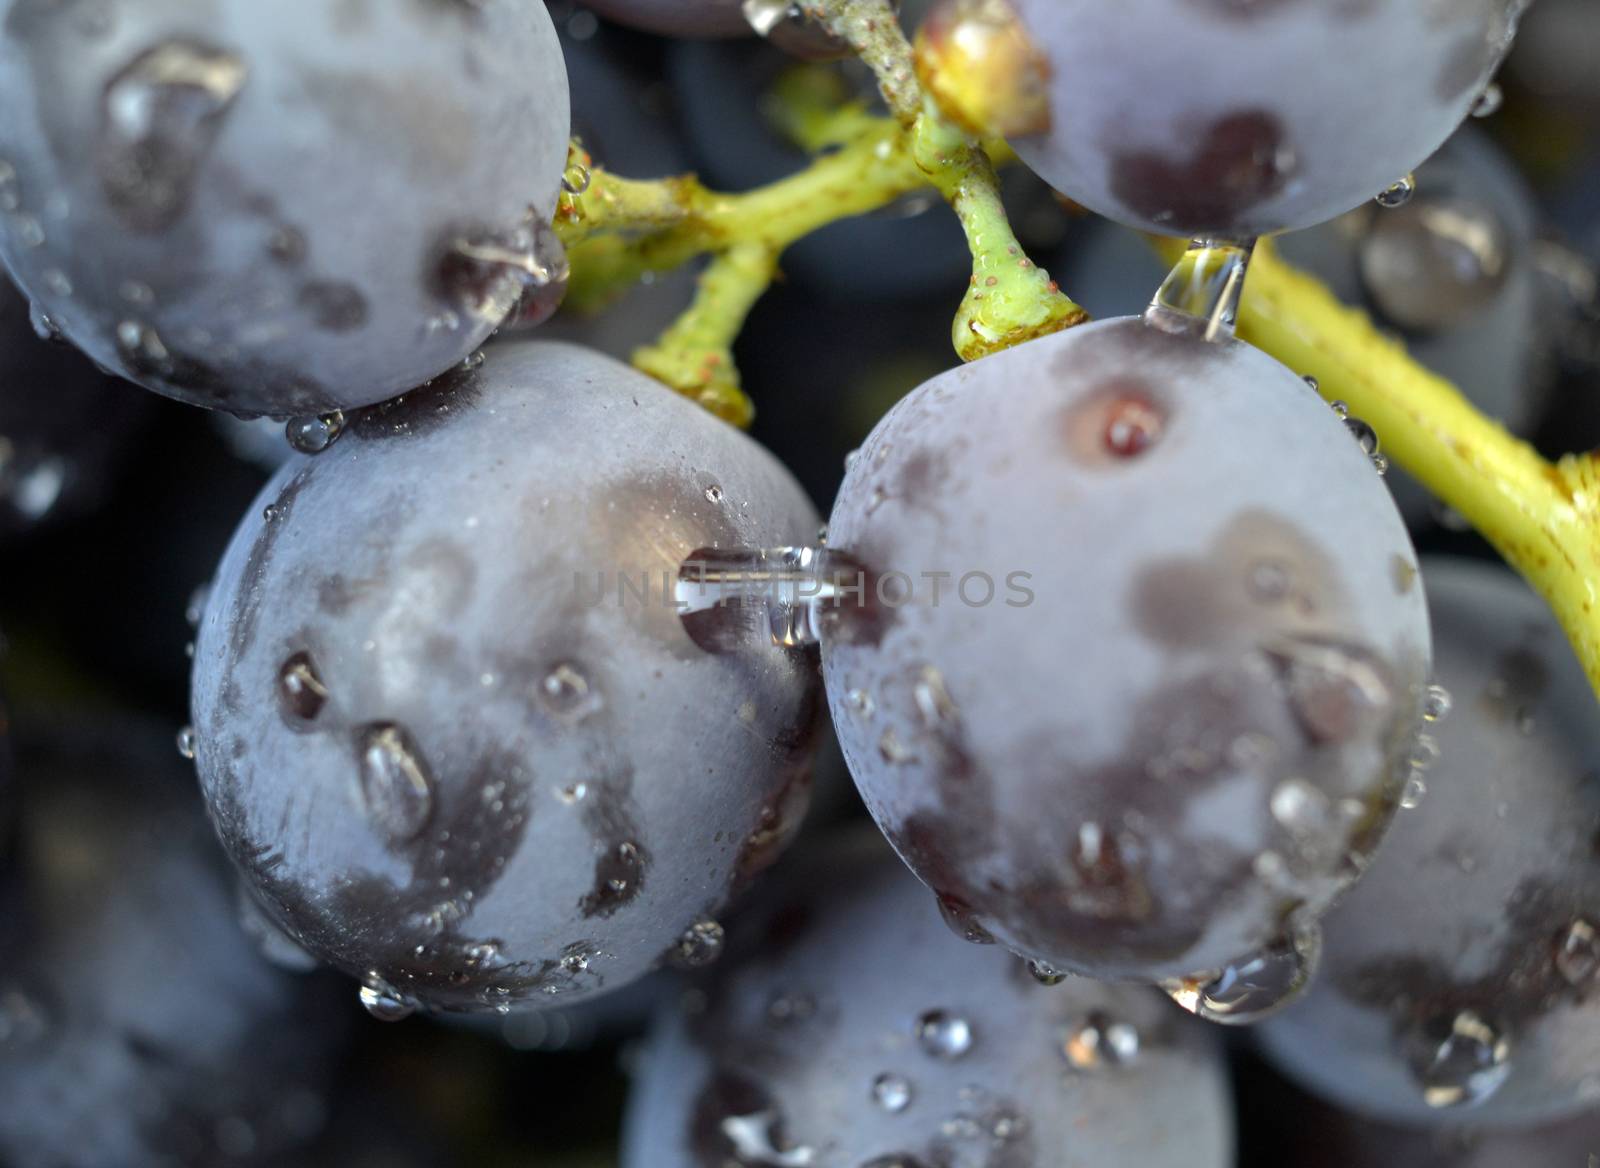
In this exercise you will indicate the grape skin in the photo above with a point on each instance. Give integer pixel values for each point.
(141, 1025)
(819, 1027)
(252, 206)
(1098, 773)
(1224, 117)
(678, 18)
(1478, 886)
(597, 782)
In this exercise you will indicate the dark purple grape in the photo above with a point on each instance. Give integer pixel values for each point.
(138, 1025)
(858, 1031)
(65, 429)
(286, 208)
(449, 721)
(1461, 973)
(1140, 656)
(1453, 272)
(1221, 117)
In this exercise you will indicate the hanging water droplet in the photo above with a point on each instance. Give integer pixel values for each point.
(1414, 791)
(1488, 103)
(1256, 986)
(1312, 383)
(158, 119)
(1459, 1061)
(933, 700)
(1367, 438)
(187, 742)
(566, 692)
(1577, 953)
(1424, 752)
(383, 1001)
(944, 1035)
(719, 588)
(1045, 974)
(700, 944)
(1436, 704)
(194, 612)
(1200, 296)
(313, 435)
(891, 1092)
(44, 328)
(396, 785)
(963, 921)
(1399, 192)
(1099, 1043)
(765, 15)
(301, 693)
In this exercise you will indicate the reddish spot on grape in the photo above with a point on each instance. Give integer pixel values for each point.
(1133, 422)
(1240, 161)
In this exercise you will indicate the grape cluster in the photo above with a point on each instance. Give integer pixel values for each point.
(515, 677)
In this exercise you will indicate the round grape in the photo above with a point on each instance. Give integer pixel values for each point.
(283, 209)
(137, 1023)
(1460, 975)
(1221, 117)
(1139, 652)
(859, 1032)
(65, 429)
(449, 721)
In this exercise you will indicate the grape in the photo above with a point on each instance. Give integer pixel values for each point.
(1461, 972)
(1452, 271)
(137, 1024)
(65, 429)
(283, 209)
(1159, 706)
(859, 1032)
(1221, 117)
(456, 747)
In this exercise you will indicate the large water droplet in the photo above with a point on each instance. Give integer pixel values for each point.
(515, 276)
(892, 1092)
(1399, 192)
(1459, 1061)
(158, 118)
(1254, 987)
(944, 1035)
(1577, 954)
(1099, 1042)
(1414, 791)
(313, 435)
(301, 693)
(395, 782)
(383, 1001)
(567, 692)
(700, 944)
(787, 588)
(1200, 296)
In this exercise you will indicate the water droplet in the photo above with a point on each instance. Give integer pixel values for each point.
(194, 612)
(700, 944)
(933, 700)
(1488, 103)
(756, 1140)
(44, 327)
(1459, 1061)
(383, 1001)
(158, 119)
(718, 589)
(313, 435)
(1436, 704)
(503, 276)
(1312, 383)
(567, 694)
(1414, 792)
(1045, 974)
(1200, 296)
(861, 702)
(713, 494)
(1300, 807)
(1578, 953)
(891, 1092)
(187, 742)
(1254, 987)
(1099, 1043)
(575, 961)
(142, 349)
(944, 1035)
(395, 782)
(300, 690)
(963, 921)
(1398, 193)
(892, 750)
(576, 793)
(1424, 752)
(765, 15)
